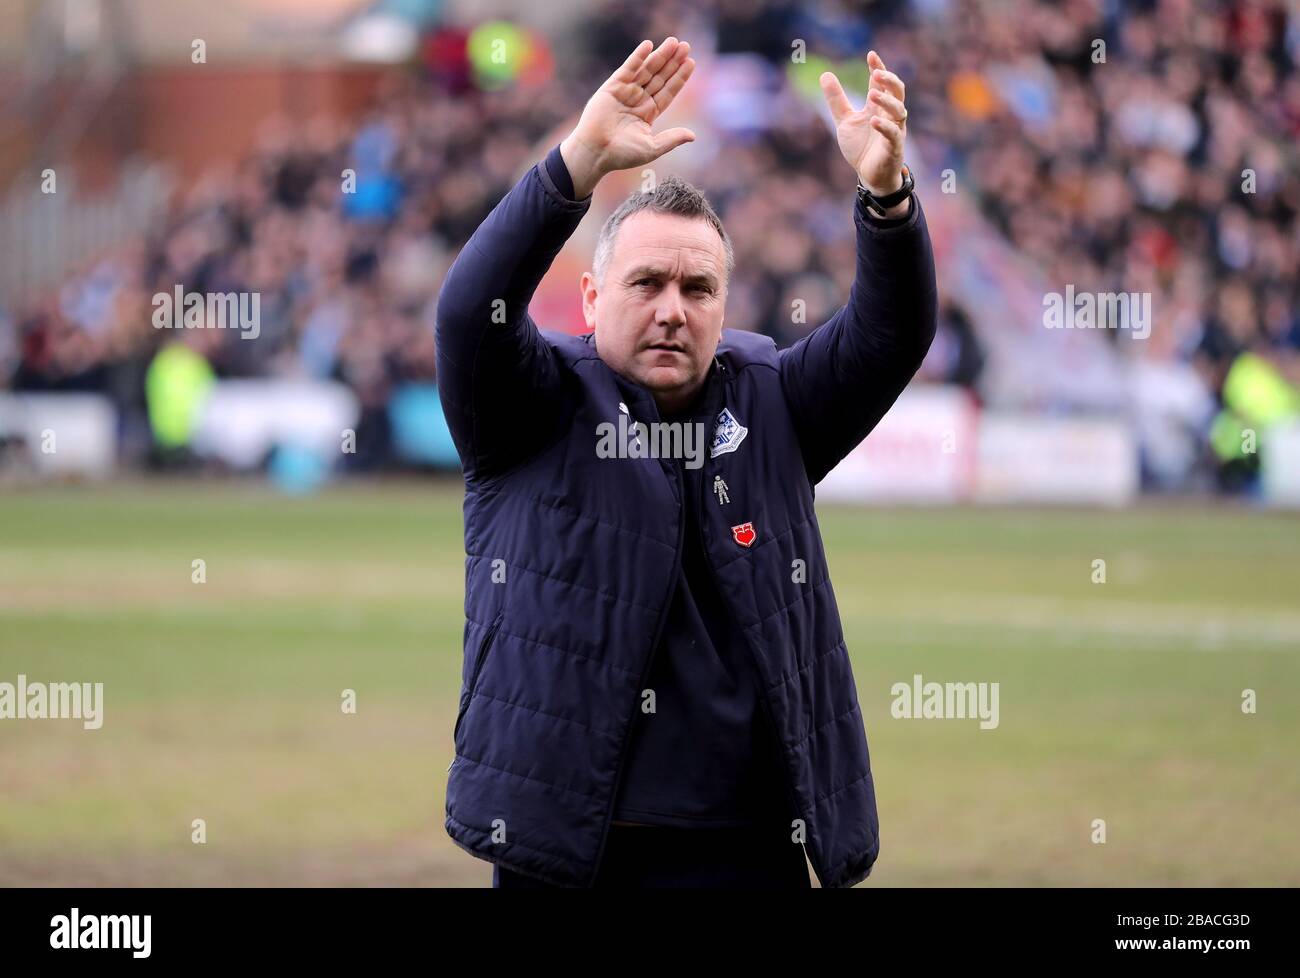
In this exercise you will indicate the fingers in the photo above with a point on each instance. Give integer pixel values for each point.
(891, 106)
(670, 139)
(659, 73)
(835, 97)
(669, 68)
(882, 77)
(887, 94)
(657, 61)
(628, 70)
(890, 82)
(891, 131)
(665, 95)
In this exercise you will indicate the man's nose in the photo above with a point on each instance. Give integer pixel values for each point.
(670, 311)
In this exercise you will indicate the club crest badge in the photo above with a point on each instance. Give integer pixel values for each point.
(728, 435)
(744, 534)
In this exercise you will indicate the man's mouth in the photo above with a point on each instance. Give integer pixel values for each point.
(672, 347)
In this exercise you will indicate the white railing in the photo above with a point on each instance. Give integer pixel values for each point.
(44, 237)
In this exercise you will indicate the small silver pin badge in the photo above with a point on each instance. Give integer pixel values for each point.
(720, 489)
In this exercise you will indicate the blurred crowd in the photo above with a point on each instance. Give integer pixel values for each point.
(345, 233)
(1143, 147)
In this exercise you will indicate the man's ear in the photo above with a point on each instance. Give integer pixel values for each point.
(588, 286)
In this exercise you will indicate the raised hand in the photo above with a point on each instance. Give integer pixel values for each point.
(614, 131)
(871, 138)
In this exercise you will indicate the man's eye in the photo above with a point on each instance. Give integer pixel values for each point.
(644, 281)
(702, 289)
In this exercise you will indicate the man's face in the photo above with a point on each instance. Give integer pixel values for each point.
(658, 314)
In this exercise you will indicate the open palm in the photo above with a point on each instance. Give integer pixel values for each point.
(614, 132)
(871, 138)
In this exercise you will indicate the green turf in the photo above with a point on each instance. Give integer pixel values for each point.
(1118, 701)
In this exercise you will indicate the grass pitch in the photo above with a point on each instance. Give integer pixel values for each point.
(1119, 701)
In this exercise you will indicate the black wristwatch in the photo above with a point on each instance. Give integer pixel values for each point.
(883, 202)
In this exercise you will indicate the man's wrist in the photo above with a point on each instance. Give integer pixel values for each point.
(875, 220)
(892, 196)
(894, 183)
(582, 166)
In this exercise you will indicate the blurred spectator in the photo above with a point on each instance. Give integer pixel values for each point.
(1140, 147)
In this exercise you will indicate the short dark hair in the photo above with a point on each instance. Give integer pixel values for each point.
(671, 196)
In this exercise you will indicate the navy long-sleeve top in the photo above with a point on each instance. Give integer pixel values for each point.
(707, 755)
